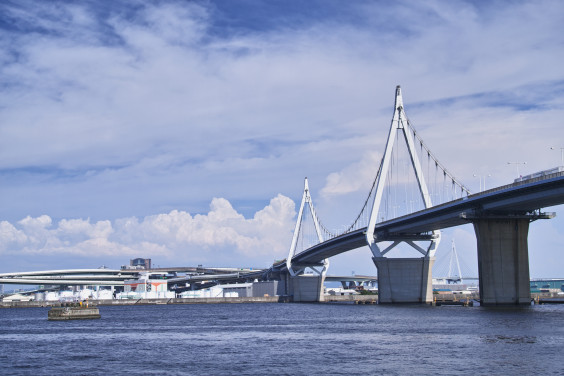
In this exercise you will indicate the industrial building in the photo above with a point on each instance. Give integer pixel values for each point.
(547, 285)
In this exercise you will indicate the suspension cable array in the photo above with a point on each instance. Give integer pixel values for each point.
(438, 164)
(361, 221)
(353, 226)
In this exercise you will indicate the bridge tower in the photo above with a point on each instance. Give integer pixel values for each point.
(305, 287)
(402, 280)
(454, 272)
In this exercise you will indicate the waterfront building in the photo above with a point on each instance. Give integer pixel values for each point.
(450, 288)
(139, 263)
(17, 298)
(547, 285)
(235, 290)
(148, 286)
(220, 291)
(339, 291)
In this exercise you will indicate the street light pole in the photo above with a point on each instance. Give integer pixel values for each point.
(482, 188)
(486, 176)
(561, 154)
(517, 164)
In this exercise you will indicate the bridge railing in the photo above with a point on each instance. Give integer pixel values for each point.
(507, 186)
(518, 183)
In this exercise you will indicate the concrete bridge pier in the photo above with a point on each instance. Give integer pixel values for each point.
(305, 287)
(404, 280)
(503, 261)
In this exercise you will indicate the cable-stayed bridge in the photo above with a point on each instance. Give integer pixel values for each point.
(392, 214)
(412, 197)
(523, 198)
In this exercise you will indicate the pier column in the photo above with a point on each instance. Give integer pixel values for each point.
(404, 280)
(307, 288)
(503, 261)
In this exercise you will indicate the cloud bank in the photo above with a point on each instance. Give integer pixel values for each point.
(222, 235)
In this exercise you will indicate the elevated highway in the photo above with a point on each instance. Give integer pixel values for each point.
(68, 277)
(116, 277)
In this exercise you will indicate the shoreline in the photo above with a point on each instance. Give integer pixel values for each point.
(350, 299)
(163, 301)
(368, 299)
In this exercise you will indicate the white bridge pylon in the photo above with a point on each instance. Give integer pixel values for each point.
(293, 269)
(399, 122)
(454, 265)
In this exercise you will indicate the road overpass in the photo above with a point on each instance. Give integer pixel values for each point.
(116, 277)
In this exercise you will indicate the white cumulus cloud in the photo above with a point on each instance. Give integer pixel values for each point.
(353, 177)
(176, 235)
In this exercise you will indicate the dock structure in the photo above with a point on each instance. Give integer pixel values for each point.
(73, 313)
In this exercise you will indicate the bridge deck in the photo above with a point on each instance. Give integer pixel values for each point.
(512, 199)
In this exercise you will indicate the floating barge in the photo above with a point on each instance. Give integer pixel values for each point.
(73, 313)
(549, 301)
(463, 303)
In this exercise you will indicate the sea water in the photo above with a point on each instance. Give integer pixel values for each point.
(286, 339)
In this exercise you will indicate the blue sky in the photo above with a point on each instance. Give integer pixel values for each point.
(182, 130)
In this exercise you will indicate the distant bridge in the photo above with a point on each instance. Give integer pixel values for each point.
(116, 277)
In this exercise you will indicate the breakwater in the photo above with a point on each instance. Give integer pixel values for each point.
(73, 313)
